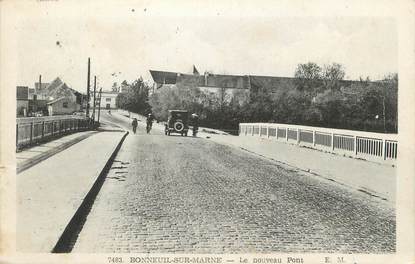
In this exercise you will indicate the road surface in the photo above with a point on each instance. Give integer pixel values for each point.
(191, 195)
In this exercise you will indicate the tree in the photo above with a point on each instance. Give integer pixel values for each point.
(135, 99)
(308, 76)
(308, 70)
(332, 107)
(115, 87)
(334, 71)
(332, 74)
(168, 98)
(124, 86)
(390, 105)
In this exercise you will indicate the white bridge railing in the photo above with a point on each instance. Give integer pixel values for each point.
(358, 144)
(31, 130)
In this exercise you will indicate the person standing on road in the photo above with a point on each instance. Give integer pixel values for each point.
(150, 119)
(134, 124)
(195, 123)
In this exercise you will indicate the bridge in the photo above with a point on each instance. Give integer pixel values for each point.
(273, 188)
(356, 144)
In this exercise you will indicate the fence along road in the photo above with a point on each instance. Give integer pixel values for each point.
(30, 130)
(365, 145)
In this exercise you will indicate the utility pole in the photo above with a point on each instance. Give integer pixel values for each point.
(36, 93)
(40, 81)
(87, 87)
(99, 106)
(95, 87)
(384, 107)
(384, 114)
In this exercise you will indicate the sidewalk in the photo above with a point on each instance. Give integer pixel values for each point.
(49, 194)
(32, 156)
(373, 178)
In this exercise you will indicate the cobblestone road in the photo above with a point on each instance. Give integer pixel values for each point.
(191, 195)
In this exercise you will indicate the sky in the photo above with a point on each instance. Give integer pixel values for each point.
(125, 41)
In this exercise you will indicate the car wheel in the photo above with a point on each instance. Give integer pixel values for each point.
(178, 126)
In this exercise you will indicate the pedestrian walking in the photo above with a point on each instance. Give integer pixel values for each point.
(149, 121)
(134, 124)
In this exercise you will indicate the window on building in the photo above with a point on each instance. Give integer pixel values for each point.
(108, 99)
(65, 105)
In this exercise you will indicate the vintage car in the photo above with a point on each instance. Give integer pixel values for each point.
(177, 122)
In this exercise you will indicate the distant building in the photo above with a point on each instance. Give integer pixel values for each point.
(58, 89)
(108, 100)
(37, 92)
(53, 98)
(22, 101)
(62, 106)
(225, 86)
(39, 87)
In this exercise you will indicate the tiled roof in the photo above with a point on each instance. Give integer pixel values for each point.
(163, 77)
(253, 82)
(54, 84)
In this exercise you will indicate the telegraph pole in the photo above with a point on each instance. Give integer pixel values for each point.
(384, 114)
(99, 106)
(95, 87)
(87, 87)
(36, 94)
(40, 82)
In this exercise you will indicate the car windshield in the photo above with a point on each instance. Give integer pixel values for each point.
(179, 115)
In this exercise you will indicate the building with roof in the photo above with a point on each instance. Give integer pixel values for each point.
(56, 96)
(223, 86)
(22, 101)
(62, 106)
(108, 100)
(55, 91)
(226, 85)
(40, 86)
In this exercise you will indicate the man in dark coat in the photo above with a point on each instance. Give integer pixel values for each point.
(134, 124)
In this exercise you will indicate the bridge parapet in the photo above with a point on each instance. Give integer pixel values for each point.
(358, 144)
(31, 130)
